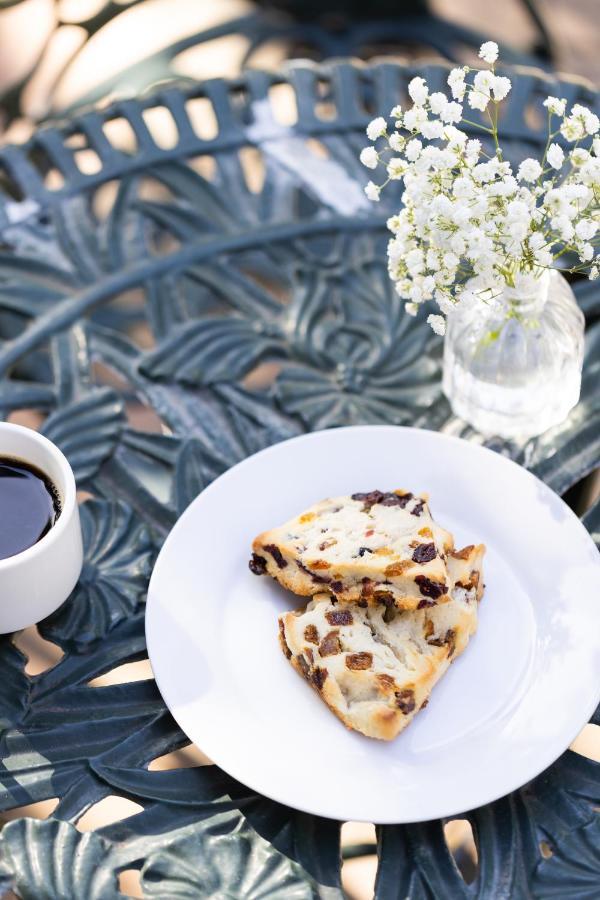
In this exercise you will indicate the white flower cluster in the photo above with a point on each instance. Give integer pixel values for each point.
(470, 225)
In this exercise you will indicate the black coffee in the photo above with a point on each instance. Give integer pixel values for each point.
(29, 506)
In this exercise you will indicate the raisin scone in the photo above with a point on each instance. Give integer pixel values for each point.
(375, 548)
(375, 667)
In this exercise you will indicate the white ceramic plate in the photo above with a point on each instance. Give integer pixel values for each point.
(505, 710)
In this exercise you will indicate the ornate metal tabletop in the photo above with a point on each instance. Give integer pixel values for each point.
(166, 310)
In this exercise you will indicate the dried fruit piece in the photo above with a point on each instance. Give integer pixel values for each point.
(318, 678)
(424, 553)
(405, 700)
(339, 617)
(430, 588)
(257, 564)
(276, 554)
(311, 634)
(356, 661)
(319, 564)
(330, 645)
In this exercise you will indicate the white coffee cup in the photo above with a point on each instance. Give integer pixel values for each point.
(36, 581)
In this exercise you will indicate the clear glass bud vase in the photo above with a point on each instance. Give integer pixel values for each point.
(513, 369)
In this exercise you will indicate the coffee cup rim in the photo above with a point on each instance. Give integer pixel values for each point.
(68, 491)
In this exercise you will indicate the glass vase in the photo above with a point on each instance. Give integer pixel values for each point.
(513, 368)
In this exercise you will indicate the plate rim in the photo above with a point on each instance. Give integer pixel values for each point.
(315, 435)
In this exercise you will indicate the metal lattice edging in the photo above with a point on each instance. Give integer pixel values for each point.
(289, 282)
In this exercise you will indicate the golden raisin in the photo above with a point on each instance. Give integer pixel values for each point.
(359, 660)
(311, 634)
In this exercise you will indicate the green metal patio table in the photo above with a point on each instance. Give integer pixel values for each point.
(164, 313)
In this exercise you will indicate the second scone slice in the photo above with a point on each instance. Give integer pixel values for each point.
(375, 667)
(374, 548)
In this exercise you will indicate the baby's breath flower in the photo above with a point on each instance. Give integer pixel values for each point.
(594, 272)
(589, 120)
(397, 167)
(369, 157)
(456, 82)
(451, 112)
(376, 128)
(586, 229)
(488, 52)
(529, 170)
(579, 156)
(396, 112)
(413, 149)
(414, 118)
(437, 102)
(555, 106)
(438, 323)
(555, 156)
(572, 129)
(501, 87)
(418, 90)
(411, 308)
(372, 191)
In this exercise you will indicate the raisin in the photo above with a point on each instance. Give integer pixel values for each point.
(363, 550)
(309, 655)
(425, 702)
(428, 628)
(370, 498)
(357, 661)
(303, 665)
(330, 645)
(386, 680)
(318, 678)
(276, 554)
(337, 586)
(417, 508)
(389, 614)
(367, 587)
(396, 500)
(423, 604)
(339, 617)
(424, 553)
(257, 564)
(318, 579)
(405, 700)
(363, 604)
(428, 588)
(328, 543)
(311, 635)
(384, 597)
(449, 640)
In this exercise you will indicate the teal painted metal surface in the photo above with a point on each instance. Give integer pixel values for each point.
(168, 315)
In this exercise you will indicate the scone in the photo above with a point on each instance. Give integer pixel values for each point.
(375, 667)
(375, 548)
